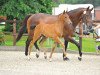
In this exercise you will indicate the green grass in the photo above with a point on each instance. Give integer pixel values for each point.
(9, 40)
(88, 44)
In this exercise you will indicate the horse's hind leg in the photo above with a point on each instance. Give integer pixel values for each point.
(27, 45)
(29, 39)
(36, 36)
(42, 45)
(35, 44)
(37, 48)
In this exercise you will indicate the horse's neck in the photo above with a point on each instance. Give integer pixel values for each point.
(60, 23)
(76, 18)
(59, 27)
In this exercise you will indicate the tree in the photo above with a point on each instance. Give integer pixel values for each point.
(2, 2)
(20, 8)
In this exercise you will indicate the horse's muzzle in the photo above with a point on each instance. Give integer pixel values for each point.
(70, 23)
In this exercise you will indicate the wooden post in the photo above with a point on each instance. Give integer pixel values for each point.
(14, 32)
(80, 34)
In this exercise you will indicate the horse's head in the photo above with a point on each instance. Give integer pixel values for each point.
(65, 18)
(87, 17)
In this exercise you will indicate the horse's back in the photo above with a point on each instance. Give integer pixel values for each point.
(47, 18)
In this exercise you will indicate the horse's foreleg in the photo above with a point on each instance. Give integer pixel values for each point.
(54, 46)
(78, 45)
(66, 45)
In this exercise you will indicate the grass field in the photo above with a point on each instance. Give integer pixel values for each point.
(87, 43)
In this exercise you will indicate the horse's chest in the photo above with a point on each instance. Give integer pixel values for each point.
(68, 31)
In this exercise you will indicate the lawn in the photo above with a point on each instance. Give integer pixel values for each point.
(9, 40)
(88, 44)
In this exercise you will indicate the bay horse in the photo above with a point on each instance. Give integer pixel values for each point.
(53, 30)
(75, 15)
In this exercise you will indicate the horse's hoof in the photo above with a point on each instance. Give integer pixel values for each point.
(79, 58)
(50, 60)
(45, 57)
(37, 55)
(65, 59)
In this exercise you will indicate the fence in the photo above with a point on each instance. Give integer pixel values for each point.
(14, 22)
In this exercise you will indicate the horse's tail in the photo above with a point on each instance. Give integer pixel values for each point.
(23, 28)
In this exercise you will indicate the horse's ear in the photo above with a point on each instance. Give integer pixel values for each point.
(64, 12)
(91, 9)
(88, 8)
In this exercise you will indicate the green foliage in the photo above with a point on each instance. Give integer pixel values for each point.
(8, 28)
(20, 8)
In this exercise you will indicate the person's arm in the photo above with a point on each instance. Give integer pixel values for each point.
(98, 26)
